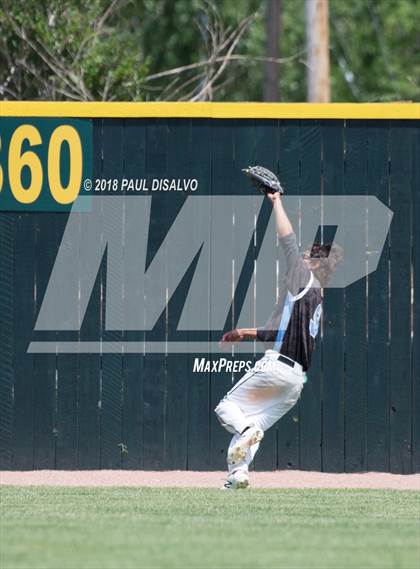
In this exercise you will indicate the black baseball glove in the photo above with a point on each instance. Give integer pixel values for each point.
(264, 180)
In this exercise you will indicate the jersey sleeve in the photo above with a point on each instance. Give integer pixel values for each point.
(297, 274)
(296, 278)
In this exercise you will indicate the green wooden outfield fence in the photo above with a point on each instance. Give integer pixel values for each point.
(360, 409)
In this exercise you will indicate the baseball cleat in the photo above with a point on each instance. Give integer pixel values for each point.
(251, 436)
(236, 481)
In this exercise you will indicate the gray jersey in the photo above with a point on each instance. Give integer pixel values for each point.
(293, 325)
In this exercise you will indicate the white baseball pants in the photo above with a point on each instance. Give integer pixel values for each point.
(260, 398)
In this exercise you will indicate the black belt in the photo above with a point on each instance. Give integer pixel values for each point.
(286, 360)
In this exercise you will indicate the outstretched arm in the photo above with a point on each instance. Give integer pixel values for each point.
(283, 225)
(284, 228)
(239, 334)
(287, 237)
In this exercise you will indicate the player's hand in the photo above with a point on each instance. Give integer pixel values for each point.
(273, 198)
(232, 336)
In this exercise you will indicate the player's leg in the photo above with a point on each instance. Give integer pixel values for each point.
(241, 455)
(242, 448)
(231, 416)
(252, 406)
(229, 410)
(244, 463)
(238, 476)
(237, 412)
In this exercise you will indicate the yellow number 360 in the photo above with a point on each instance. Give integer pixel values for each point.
(17, 160)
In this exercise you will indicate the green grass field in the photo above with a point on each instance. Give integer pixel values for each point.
(200, 528)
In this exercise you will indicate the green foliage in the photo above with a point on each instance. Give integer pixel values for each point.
(106, 49)
(375, 44)
(69, 49)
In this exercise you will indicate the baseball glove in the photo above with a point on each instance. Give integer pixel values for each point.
(264, 180)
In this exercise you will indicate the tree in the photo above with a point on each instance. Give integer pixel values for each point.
(139, 50)
(273, 32)
(374, 50)
(69, 49)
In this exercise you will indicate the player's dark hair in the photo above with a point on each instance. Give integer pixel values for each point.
(330, 255)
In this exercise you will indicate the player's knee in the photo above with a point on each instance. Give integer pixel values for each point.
(229, 428)
(220, 408)
(222, 414)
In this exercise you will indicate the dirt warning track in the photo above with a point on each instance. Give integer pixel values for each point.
(190, 479)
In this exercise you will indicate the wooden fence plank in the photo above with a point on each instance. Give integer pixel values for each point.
(44, 365)
(67, 387)
(67, 414)
(89, 395)
(133, 364)
(307, 416)
(356, 311)
(222, 153)
(111, 397)
(199, 409)
(178, 365)
(378, 374)
(154, 383)
(7, 288)
(333, 349)
(23, 321)
(400, 419)
(415, 236)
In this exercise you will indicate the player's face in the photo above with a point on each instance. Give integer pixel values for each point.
(310, 262)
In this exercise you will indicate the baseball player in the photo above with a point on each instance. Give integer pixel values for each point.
(273, 386)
